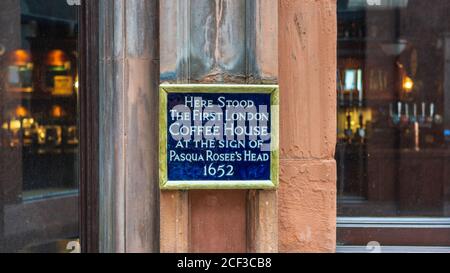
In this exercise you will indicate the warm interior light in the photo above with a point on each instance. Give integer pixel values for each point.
(76, 84)
(354, 120)
(57, 111)
(20, 57)
(28, 123)
(21, 112)
(15, 125)
(41, 134)
(408, 84)
(56, 58)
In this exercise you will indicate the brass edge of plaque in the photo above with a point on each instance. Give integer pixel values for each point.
(275, 138)
(165, 184)
(218, 88)
(219, 185)
(163, 175)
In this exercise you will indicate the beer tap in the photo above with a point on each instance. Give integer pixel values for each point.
(396, 117)
(361, 129)
(422, 118)
(430, 119)
(348, 131)
(405, 118)
(413, 118)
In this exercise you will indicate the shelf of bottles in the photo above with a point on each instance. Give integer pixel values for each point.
(382, 98)
(418, 123)
(415, 122)
(353, 115)
(39, 102)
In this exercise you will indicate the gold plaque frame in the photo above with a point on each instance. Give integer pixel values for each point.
(166, 184)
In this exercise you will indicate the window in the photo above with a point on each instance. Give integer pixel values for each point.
(393, 150)
(39, 126)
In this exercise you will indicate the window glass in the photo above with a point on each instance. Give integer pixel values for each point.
(393, 150)
(39, 133)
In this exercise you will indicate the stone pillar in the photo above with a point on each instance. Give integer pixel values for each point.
(307, 196)
(222, 42)
(128, 146)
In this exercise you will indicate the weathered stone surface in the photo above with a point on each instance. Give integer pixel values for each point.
(220, 41)
(128, 94)
(307, 56)
(307, 206)
(307, 78)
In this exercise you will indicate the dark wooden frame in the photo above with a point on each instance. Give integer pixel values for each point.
(89, 125)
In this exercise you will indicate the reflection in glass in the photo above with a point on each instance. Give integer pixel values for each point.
(393, 149)
(38, 117)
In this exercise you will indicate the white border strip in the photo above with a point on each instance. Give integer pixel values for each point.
(393, 222)
(392, 249)
(202, 184)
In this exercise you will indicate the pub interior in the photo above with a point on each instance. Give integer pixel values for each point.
(393, 97)
(38, 125)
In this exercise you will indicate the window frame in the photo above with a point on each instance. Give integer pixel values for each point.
(394, 234)
(89, 126)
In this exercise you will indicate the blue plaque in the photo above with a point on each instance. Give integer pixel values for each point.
(219, 136)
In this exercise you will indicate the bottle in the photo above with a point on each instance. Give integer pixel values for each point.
(348, 131)
(20, 72)
(360, 135)
(59, 81)
(16, 126)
